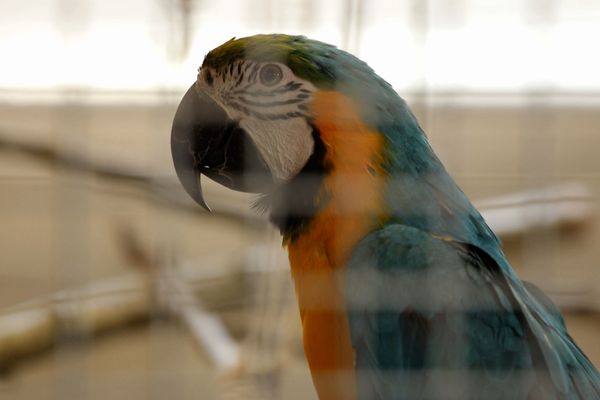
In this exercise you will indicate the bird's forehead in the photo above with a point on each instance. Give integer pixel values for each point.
(260, 48)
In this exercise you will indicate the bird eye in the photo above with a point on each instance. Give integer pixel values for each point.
(270, 74)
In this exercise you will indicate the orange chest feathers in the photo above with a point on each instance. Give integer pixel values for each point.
(353, 189)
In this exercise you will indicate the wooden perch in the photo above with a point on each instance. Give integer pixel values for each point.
(35, 326)
(105, 305)
(166, 189)
(568, 204)
(205, 328)
(175, 295)
(24, 333)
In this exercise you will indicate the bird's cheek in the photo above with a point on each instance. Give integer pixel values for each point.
(284, 145)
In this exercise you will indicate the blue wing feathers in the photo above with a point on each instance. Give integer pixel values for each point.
(438, 319)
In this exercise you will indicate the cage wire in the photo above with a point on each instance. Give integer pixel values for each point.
(165, 263)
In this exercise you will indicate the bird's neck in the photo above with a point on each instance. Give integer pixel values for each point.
(348, 202)
(340, 188)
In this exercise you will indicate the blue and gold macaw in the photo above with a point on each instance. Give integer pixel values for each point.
(404, 291)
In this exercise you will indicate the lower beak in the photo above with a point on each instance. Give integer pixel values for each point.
(204, 140)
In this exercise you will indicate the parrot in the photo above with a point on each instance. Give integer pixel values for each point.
(404, 291)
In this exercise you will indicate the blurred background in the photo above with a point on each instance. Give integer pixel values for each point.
(114, 285)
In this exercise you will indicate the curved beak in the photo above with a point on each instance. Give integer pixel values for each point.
(205, 141)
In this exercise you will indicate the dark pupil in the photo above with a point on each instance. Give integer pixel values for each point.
(270, 75)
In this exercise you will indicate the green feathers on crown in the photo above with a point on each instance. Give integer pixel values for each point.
(303, 56)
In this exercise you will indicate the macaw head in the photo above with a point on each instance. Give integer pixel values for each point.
(249, 120)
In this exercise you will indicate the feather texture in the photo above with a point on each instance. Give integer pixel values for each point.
(437, 319)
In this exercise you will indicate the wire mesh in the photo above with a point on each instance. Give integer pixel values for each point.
(115, 285)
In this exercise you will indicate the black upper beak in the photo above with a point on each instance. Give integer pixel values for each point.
(205, 141)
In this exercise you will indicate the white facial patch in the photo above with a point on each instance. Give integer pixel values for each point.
(272, 105)
(285, 145)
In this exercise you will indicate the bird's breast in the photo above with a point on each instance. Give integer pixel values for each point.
(353, 188)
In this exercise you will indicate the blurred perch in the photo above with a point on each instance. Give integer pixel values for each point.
(33, 326)
(564, 205)
(175, 296)
(37, 325)
(166, 189)
(205, 327)
(103, 307)
(550, 208)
